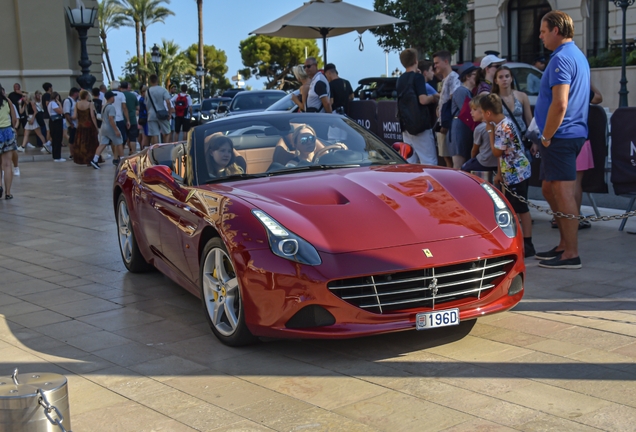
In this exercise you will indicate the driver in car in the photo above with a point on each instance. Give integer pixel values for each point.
(304, 139)
(222, 162)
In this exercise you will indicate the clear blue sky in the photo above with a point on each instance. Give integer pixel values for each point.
(226, 23)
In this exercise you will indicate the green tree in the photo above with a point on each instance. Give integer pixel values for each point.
(433, 25)
(273, 58)
(215, 66)
(143, 13)
(110, 16)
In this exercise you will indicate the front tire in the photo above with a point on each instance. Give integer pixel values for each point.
(130, 253)
(221, 296)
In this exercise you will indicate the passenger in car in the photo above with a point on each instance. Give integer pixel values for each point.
(221, 159)
(286, 149)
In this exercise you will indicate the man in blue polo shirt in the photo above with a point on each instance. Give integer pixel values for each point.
(561, 115)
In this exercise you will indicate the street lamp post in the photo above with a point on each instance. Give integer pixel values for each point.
(200, 72)
(81, 19)
(155, 55)
(623, 4)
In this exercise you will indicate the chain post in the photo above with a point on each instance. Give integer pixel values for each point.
(48, 408)
(570, 216)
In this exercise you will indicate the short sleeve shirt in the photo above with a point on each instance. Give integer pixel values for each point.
(318, 88)
(158, 95)
(449, 85)
(131, 103)
(46, 98)
(68, 106)
(119, 99)
(340, 92)
(419, 82)
(569, 66)
(482, 139)
(515, 166)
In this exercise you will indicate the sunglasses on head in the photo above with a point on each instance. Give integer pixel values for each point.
(308, 139)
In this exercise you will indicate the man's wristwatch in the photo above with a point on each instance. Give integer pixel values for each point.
(544, 139)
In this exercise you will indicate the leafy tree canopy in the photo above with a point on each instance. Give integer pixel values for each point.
(215, 66)
(433, 25)
(273, 58)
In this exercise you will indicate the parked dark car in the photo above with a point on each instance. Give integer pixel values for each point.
(252, 101)
(232, 92)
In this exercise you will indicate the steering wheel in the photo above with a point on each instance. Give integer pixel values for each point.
(329, 149)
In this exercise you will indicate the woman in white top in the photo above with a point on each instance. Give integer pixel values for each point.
(56, 124)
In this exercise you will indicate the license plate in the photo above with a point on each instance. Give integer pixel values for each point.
(443, 318)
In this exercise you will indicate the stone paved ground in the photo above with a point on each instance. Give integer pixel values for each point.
(140, 357)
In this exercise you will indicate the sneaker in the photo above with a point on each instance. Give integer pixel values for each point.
(47, 146)
(59, 160)
(30, 146)
(95, 164)
(20, 149)
(552, 253)
(43, 149)
(585, 224)
(558, 263)
(16, 171)
(115, 162)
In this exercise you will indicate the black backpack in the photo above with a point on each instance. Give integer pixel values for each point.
(414, 117)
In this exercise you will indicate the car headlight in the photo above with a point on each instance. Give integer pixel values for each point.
(503, 215)
(285, 243)
(205, 117)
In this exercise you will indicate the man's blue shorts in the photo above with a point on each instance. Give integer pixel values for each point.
(558, 160)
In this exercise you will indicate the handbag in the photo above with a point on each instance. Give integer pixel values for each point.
(464, 115)
(524, 141)
(161, 114)
(142, 121)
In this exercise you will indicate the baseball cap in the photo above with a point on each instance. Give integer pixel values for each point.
(490, 59)
(109, 94)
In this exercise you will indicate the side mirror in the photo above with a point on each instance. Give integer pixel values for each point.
(159, 174)
(404, 149)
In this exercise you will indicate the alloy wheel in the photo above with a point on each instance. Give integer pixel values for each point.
(125, 232)
(221, 292)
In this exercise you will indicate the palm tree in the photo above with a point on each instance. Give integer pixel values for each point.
(110, 15)
(174, 63)
(200, 14)
(143, 13)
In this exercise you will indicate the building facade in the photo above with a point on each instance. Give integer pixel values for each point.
(512, 26)
(39, 45)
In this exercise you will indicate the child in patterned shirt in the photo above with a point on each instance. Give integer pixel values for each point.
(514, 167)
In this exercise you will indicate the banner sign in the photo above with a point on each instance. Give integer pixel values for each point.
(624, 151)
(364, 112)
(388, 125)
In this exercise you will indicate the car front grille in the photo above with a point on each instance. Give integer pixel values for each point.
(423, 288)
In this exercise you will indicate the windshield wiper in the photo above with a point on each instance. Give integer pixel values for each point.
(235, 177)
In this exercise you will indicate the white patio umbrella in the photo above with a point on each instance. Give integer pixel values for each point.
(325, 18)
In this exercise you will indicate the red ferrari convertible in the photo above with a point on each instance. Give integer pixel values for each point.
(309, 226)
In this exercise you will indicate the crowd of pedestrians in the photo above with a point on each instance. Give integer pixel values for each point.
(483, 123)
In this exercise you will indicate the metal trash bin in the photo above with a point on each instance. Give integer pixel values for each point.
(34, 402)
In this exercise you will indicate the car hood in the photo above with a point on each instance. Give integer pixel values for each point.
(355, 209)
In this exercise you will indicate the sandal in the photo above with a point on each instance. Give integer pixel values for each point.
(8, 197)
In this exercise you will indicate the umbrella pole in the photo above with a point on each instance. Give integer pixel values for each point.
(324, 32)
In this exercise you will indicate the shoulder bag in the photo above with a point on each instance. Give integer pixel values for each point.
(161, 114)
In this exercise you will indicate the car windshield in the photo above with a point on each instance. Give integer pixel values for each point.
(209, 104)
(281, 144)
(246, 101)
(284, 104)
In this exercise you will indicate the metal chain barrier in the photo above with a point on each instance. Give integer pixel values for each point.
(48, 409)
(559, 214)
